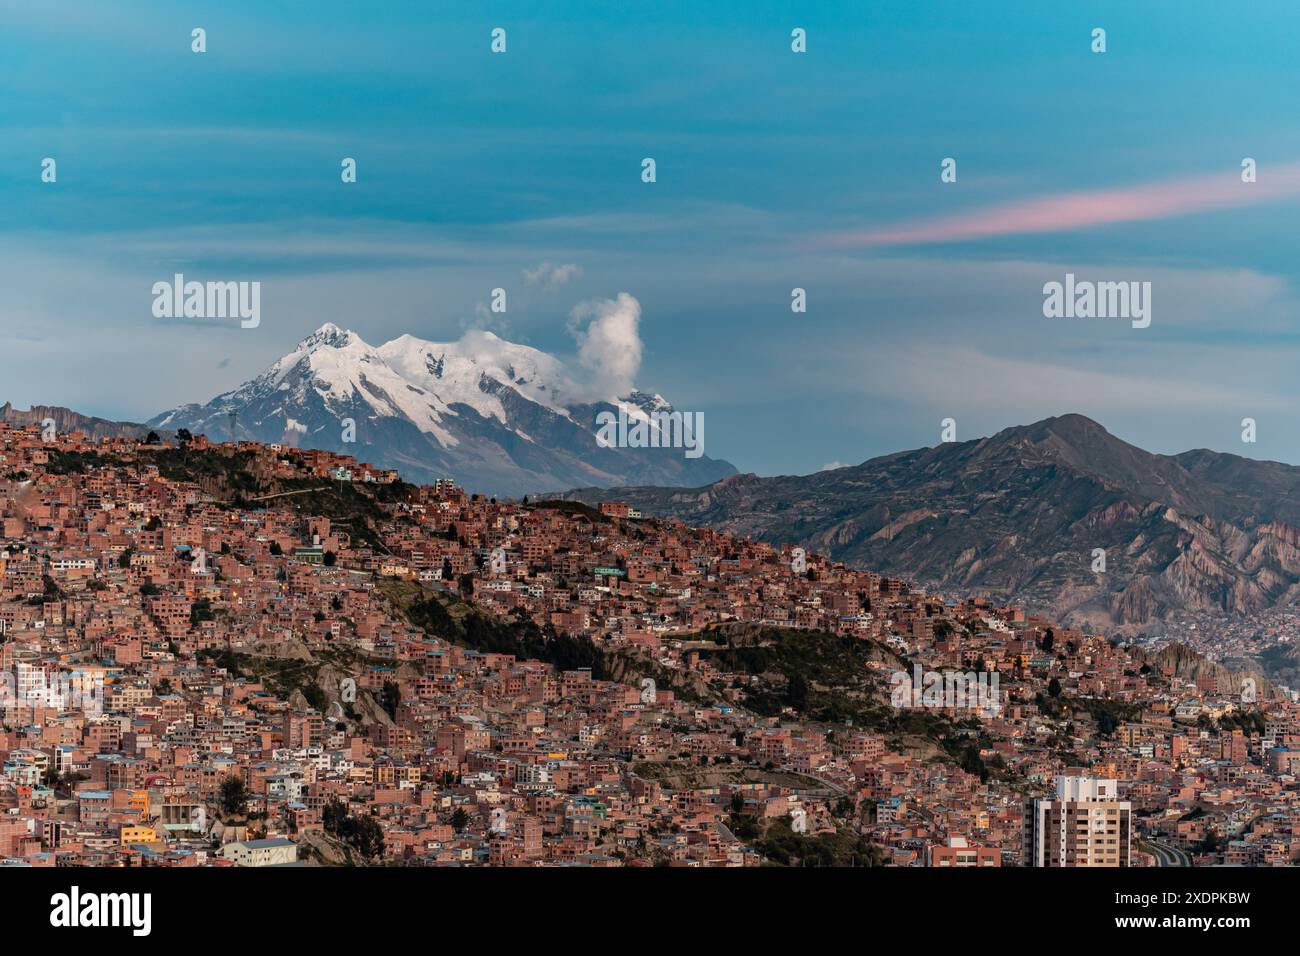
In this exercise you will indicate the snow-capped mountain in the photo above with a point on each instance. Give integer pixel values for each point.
(498, 417)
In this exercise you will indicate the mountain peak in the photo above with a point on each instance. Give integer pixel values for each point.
(1071, 438)
(1071, 428)
(1072, 419)
(329, 335)
(647, 402)
(497, 415)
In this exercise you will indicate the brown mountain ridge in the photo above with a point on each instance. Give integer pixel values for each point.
(1018, 515)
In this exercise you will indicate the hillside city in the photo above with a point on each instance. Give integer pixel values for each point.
(249, 654)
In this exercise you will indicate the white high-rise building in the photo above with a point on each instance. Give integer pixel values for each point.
(1085, 824)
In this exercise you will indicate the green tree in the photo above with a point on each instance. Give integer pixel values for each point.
(233, 797)
(1107, 723)
(389, 698)
(796, 693)
(201, 610)
(367, 837)
(333, 815)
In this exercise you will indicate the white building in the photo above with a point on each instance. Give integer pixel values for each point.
(261, 852)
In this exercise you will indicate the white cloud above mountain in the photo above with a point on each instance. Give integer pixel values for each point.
(609, 343)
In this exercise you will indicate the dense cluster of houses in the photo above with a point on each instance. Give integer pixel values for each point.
(189, 680)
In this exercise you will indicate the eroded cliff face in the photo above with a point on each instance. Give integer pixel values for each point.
(66, 420)
(1182, 662)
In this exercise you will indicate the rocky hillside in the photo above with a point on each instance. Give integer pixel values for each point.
(1020, 515)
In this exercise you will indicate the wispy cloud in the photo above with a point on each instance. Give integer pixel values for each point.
(961, 378)
(1081, 210)
(551, 277)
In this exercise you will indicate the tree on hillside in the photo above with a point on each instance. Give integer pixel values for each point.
(233, 797)
(389, 698)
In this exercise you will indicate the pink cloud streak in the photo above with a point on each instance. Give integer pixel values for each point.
(1081, 210)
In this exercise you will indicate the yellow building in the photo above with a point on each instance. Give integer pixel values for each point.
(138, 835)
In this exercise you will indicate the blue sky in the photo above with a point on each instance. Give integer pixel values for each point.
(474, 167)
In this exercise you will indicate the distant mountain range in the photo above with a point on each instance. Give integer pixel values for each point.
(495, 416)
(1018, 515)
